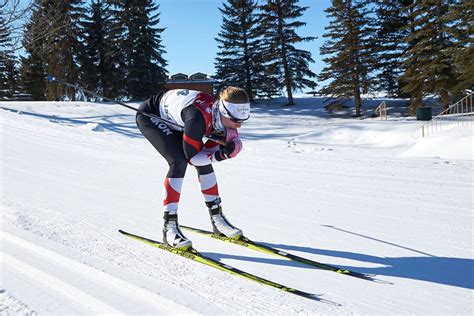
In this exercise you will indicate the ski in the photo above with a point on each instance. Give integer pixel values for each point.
(248, 243)
(194, 255)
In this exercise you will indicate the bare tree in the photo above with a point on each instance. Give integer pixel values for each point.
(14, 16)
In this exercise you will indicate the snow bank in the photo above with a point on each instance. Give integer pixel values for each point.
(389, 138)
(456, 143)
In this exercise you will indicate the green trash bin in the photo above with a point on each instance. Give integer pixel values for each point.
(424, 113)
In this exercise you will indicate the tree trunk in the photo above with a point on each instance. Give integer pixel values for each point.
(357, 101)
(416, 100)
(286, 69)
(444, 96)
(248, 68)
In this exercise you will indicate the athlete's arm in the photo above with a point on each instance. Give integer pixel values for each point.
(194, 130)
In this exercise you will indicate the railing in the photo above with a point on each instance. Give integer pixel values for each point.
(382, 110)
(458, 114)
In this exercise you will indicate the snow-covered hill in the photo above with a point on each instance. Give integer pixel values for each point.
(364, 195)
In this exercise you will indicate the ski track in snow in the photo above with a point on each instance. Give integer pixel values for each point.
(71, 176)
(76, 234)
(105, 285)
(9, 305)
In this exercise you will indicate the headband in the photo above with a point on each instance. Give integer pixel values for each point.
(239, 111)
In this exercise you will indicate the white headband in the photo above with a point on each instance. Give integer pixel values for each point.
(239, 111)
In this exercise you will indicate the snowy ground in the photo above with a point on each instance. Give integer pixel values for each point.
(362, 194)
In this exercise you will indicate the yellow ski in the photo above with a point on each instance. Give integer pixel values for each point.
(245, 242)
(194, 255)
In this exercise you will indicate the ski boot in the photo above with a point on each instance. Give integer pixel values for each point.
(220, 224)
(172, 235)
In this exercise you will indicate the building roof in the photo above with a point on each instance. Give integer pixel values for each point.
(189, 78)
(179, 74)
(193, 81)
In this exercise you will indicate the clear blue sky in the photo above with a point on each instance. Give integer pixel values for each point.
(192, 25)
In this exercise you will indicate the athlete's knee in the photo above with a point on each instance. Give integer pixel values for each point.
(203, 170)
(177, 168)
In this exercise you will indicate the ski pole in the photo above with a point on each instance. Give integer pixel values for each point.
(150, 115)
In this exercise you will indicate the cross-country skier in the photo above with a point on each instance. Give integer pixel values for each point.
(195, 115)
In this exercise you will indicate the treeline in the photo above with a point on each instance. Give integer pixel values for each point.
(404, 48)
(110, 47)
(258, 48)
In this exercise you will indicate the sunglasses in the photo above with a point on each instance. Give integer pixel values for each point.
(233, 118)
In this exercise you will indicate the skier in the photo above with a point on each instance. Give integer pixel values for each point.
(194, 115)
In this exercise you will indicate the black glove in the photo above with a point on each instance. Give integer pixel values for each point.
(227, 149)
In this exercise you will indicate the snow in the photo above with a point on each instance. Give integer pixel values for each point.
(362, 194)
(453, 143)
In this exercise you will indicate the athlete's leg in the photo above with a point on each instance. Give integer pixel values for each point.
(169, 144)
(210, 191)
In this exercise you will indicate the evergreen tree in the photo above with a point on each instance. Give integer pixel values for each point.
(99, 62)
(7, 61)
(32, 65)
(429, 65)
(270, 85)
(284, 62)
(461, 27)
(350, 47)
(12, 77)
(238, 62)
(63, 45)
(143, 62)
(392, 17)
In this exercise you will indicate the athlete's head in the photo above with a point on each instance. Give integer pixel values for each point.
(234, 106)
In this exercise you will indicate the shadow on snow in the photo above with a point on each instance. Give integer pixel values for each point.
(128, 129)
(426, 267)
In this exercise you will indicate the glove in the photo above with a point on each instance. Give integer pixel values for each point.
(234, 144)
(230, 134)
(232, 148)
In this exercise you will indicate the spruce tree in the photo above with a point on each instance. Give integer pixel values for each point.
(63, 45)
(350, 46)
(430, 67)
(7, 61)
(239, 62)
(143, 62)
(32, 64)
(4, 48)
(99, 62)
(285, 64)
(461, 27)
(392, 17)
(12, 77)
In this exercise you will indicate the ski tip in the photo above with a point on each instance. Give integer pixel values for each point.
(381, 281)
(372, 277)
(323, 300)
(318, 297)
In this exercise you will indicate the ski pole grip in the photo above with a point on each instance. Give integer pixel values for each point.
(217, 140)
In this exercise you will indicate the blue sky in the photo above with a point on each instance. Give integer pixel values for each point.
(192, 25)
